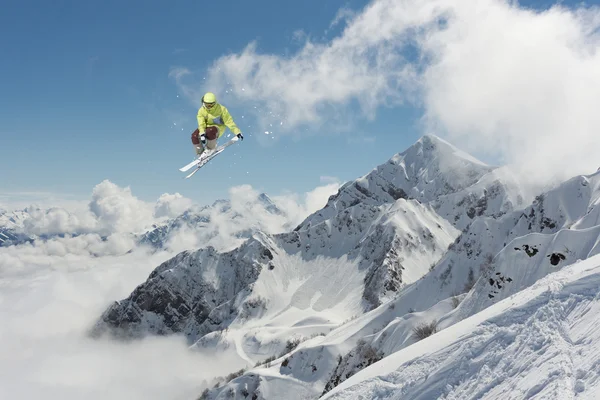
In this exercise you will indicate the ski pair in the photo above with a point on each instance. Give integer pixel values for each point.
(206, 156)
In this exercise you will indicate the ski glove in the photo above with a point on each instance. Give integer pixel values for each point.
(240, 136)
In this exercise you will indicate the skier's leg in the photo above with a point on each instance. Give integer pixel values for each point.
(212, 134)
(211, 144)
(198, 148)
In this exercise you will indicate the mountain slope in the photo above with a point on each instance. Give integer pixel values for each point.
(543, 342)
(428, 169)
(388, 249)
(349, 284)
(378, 251)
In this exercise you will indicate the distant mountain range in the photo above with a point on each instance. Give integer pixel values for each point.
(203, 222)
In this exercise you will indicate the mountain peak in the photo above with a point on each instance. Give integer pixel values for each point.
(431, 146)
(269, 205)
(428, 169)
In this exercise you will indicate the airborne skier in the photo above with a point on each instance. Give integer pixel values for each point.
(213, 119)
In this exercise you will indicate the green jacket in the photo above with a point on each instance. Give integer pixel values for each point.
(217, 116)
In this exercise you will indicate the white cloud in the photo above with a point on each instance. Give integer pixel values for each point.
(171, 205)
(57, 220)
(317, 198)
(343, 15)
(107, 223)
(298, 207)
(186, 238)
(117, 210)
(54, 290)
(249, 210)
(112, 211)
(299, 35)
(48, 302)
(493, 77)
(519, 84)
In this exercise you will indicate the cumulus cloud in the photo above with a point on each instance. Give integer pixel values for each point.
(58, 220)
(295, 207)
(111, 222)
(300, 206)
(506, 82)
(520, 85)
(171, 205)
(117, 210)
(228, 223)
(111, 216)
(329, 179)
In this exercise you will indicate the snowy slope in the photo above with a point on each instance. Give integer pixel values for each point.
(519, 264)
(532, 343)
(497, 193)
(396, 243)
(569, 205)
(543, 342)
(497, 245)
(379, 250)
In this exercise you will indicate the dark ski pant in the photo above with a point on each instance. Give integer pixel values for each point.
(211, 144)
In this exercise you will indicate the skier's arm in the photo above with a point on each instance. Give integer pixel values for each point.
(201, 120)
(228, 121)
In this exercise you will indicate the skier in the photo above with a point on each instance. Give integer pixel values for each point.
(213, 119)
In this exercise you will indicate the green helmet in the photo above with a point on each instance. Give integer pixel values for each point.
(209, 98)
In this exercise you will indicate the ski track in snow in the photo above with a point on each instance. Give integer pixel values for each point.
(536, 344)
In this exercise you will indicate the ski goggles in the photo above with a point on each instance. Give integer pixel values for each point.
(209, 105)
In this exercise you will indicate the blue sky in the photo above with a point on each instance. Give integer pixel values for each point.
(88, 94)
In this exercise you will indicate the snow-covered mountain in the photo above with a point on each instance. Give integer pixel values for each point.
(543, 342)
(203, 223)
(386, 238)
(198, 225)
(426, 242)
(451, 292)
(373, 250)
(559, 211)
(11, 227)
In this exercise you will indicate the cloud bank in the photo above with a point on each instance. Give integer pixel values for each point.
(493, 77)
(48, 302)
(53, 290)
(230, 224)
(113, 219)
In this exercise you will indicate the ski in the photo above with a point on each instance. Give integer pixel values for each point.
(190, 165)
(192, 173)
(203, 161)
(206, 157)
